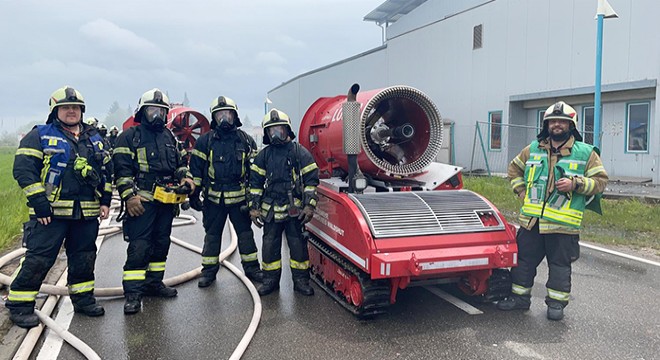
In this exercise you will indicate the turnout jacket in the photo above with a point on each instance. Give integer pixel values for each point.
(144, 157)
(44, 169)
(280, 170)
(534, 172)
(220, 163)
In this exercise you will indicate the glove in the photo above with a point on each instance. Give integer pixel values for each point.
(255, 216)
(87, 172)
(195, 201)
(134, 205)
(306, 214)
(41, 207)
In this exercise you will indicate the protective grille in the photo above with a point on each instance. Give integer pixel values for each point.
(435, 124)
(351, 130)
(423, 213)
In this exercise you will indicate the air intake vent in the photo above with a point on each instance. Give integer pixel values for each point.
(414, 213)
(477, 36)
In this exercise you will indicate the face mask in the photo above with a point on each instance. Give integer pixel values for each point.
(226, 124)
(155, 116)
(277, 134)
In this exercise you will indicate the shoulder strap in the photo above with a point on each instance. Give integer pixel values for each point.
(244, 139)
(136, 137)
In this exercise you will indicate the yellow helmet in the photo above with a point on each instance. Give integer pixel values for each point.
(562, 111)
(273, 118)
(224, 103)
(66, 96)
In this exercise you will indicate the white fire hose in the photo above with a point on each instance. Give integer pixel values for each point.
(60, 289)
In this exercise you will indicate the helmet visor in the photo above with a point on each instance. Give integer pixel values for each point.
(225, 114)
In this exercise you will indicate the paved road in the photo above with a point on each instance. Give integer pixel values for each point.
(614, 314)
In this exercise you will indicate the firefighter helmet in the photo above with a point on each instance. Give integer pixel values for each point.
(153, 97)
(224, 103)
(562, 111)
(66, 96)
(92, 121)
(273, 118)
(114, 129)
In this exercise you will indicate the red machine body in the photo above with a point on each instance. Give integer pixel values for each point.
(186, 124)
(413, 224)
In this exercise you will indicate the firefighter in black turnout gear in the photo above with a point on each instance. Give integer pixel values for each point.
(283, 183)
(220, 165)
(152, 178)
(64, 172)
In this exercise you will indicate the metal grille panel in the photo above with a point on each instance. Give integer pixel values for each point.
(400, 214)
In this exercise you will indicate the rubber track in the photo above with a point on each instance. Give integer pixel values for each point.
(376, 293)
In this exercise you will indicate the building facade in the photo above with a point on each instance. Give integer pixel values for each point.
(503, 62)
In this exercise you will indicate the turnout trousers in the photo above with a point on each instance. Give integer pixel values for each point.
(148, 237)
(559, 249)
(214, 219)
(43, 243)
(272, 249)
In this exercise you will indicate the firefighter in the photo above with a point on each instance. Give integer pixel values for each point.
(220, 165)
(112, 138)
(558, 176)
(103, 131)
(64, 173)
(283, 184)
(149, 167)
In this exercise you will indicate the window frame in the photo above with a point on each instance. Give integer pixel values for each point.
(627, 127)
(584, 124)
(539, 119)
(490, 126)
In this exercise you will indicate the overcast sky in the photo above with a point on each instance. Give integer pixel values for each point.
(117, 49)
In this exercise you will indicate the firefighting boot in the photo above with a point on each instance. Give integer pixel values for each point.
(91, 310)
(302, 286)
(515, 302)
(133, 304)
(253, 272)
(160, 290)
(153, 285)
(301, 281)
(555, 311)
(270, 283)
(25, 319)
(206, 281)
(86, 304)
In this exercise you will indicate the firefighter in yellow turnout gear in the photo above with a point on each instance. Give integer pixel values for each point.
(558, 177)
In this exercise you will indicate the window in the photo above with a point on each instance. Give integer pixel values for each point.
(495, 130)
(637, 127)
(588, 124)
(539, 120)
(477, 37)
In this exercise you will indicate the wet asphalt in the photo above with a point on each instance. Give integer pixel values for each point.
(614, 314)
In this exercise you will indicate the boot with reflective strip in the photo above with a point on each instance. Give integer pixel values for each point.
(133, 304)
(25, 320)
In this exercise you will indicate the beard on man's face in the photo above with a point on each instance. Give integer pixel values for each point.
(560, 135)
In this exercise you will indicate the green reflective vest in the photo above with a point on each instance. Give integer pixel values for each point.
(557, 207)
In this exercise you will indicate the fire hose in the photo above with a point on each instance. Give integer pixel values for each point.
(55, 291)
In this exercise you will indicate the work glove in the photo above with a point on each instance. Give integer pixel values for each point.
(195, 201)
(306, 214)
(86, 171)
(187, 186)
(134, 205)
(41, 207)
(257, 219)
